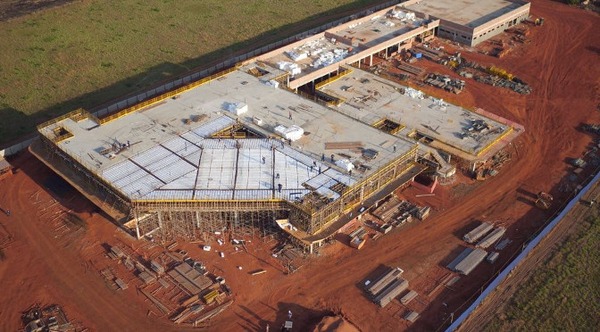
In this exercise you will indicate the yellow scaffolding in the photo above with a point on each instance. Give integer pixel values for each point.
(345, 71)
(487, 147)
(166, 95)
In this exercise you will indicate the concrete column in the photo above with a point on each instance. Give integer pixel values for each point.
(137, 225)
(198, 219)
(159, 214)
(370, 60)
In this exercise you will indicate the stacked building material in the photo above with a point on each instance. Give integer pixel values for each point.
(146, 277)
(411, 316)
(210, 296)
(375, 287)
(408, 297)
(467, 260)
(494, 236)
(392, 290)
(478, 232)
(493, 257)
(189, 278)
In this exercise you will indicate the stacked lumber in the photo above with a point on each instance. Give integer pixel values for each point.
(411, 69)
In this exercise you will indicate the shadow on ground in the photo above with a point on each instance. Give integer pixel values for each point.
(167, 72)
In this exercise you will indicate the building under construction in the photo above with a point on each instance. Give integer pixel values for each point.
(242, 150)
(229, 153)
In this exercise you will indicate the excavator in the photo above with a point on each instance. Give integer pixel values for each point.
(544, 200)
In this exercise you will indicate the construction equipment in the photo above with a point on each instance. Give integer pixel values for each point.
(539, 21)
(500, 73)
(544, 200)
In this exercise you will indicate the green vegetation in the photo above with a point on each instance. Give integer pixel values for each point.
(563, 294)
(89, 52)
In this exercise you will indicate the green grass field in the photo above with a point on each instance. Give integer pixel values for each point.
(564, 294)
(89, 52)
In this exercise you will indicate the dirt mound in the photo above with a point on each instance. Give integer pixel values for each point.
(334, 324)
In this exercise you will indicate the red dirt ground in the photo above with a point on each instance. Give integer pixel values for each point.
(560, 63)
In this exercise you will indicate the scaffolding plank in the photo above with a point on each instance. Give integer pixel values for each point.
(213, 194)
(186, 181)
(177, 168)
(217, 169)
(211, 127)
(169, 194)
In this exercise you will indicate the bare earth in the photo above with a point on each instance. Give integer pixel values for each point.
(497, 301)
(559, 63)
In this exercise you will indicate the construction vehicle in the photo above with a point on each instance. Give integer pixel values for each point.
(539, 21)
(500, 73)
(544, 200)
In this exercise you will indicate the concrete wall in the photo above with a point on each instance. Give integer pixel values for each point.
(472, 36)
(498, 25)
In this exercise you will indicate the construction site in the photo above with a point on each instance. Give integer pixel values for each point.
(380, 171)
(240, 151)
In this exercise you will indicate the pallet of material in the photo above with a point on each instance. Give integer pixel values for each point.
(409, 297)
(193, 283)
(491, 238)
(358, 242)
(359, 232)
(121, 283)
(186, 313)
(467, 260)
(377, 286)
(433, 51)
(431, 54)
(210, 296)
(392, 203)
(411, 69)
(343, 145)
(391, 292)
(146, 277)
(213, 312)
(411, 316)
(478, 232)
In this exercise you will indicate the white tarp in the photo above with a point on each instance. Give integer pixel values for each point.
(403, 15)
(271, 83)
(297, 56)
(328, 58)
(236, 108)
(345, 164)
(416, 94)
(290, 67)
(292, 133)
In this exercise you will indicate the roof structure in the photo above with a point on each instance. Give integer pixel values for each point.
(316, 56)
(371, 99)
(470, 13)
(167, 151)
